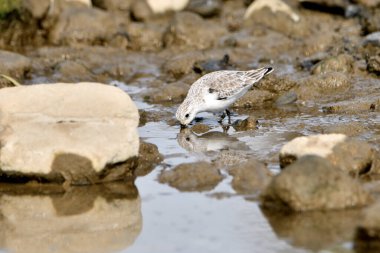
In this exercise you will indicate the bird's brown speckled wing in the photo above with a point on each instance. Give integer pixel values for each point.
(229, 83)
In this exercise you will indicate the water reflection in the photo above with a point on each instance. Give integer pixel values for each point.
(100, 218)
(314, 230)
(210, 141)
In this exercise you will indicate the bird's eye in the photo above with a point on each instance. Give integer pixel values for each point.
(187, 139)
(187, 115)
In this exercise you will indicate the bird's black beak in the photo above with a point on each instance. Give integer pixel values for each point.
(269, 69)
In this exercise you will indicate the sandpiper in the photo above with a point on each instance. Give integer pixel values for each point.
(216, 91)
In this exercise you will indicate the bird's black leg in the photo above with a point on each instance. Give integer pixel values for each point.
(222, 117)
(229, 116)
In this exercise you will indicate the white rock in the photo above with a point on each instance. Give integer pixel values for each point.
(274, 6)
(372, 39)
(41, 122)
(321, 145)
(161, 6)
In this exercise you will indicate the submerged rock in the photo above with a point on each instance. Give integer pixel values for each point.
(313, 183)
(249, 177)
(79, 133)
(199, 176)
(349, 155)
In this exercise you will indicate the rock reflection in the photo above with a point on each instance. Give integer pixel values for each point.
(314, 230)
(100, 218)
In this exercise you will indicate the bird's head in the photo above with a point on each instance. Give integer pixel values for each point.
(186, 112)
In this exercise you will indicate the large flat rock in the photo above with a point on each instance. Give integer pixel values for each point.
(67, 132)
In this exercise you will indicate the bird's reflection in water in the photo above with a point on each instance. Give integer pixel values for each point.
(216, 145)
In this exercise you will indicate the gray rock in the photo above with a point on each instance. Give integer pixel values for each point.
(68, 136)
(342, 63)
(83, 26)
(38, 8)
(249, 177)
(372, 39)
(188, 30)
(13, 64)
(205, 8)
(313, 183)
(199, 176)
(349, 155)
